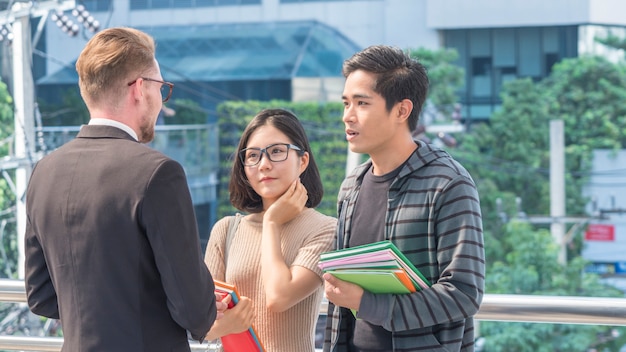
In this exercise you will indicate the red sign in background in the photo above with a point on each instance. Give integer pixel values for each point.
(600, 232)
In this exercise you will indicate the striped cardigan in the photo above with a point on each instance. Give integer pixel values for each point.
(433, 217)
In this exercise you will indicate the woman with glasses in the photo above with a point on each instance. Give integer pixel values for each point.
(271, 255)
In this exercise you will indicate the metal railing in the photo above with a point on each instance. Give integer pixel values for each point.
(14, 291)
(495, 307)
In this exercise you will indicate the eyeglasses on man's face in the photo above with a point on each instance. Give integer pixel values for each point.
(275, 152)
(166, 87)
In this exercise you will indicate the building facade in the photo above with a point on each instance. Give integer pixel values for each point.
(496, 41)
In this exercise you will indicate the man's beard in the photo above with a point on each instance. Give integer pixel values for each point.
(147, 130)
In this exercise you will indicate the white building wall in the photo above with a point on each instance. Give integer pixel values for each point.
(450, 14)
(609, 12)
(406, 25)
(607, 186)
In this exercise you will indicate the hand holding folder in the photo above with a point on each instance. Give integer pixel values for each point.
(378, 267)
(245, 341)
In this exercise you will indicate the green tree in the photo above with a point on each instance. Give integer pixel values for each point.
(613, 41)
(72, 111)
(8, 238)
(441, 106)
(445, 77)
(509, 158)
(512, 151)
(188, 112)
(6, 120)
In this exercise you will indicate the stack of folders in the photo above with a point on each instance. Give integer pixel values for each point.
(243, 341)
(377, 267)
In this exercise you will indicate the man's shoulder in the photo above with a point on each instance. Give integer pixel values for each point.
(432, 160)
(358, 172)
(352, 179)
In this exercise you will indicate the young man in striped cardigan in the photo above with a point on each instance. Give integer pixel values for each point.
(415, 195)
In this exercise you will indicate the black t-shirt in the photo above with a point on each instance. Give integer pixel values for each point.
(368, 225)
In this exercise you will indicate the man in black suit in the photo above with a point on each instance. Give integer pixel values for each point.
(112, 247)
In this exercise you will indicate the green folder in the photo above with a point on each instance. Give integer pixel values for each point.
(386, 248)
(375, 281)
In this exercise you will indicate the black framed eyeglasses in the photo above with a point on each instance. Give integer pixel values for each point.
(166, 87)
(275, 152)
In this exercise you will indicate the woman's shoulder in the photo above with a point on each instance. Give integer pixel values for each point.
(223, 224)
(317, 216)
(317, 222)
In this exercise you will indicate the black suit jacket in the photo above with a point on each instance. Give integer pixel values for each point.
(112, 247)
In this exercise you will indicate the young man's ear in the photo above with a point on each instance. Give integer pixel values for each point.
(403, 109)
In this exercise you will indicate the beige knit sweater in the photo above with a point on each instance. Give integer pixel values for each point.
(303, 239)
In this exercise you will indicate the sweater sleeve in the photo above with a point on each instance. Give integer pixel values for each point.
(214, 254)
(320, 240)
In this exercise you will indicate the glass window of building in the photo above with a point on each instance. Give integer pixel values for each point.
(504, 54)
(481, 66)
(493, 56)
(529, 42)
(97, 5)
(174, 4)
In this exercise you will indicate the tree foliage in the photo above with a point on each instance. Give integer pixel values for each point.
(188, 112)
(612, 41)
(8, 238)
(510, 157)
(513, 150)
(72, 111)
(445, 77)
(6, 120)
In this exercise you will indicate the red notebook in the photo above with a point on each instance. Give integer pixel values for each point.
(243, 341)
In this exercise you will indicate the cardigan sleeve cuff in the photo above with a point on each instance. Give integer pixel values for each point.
(375, 308)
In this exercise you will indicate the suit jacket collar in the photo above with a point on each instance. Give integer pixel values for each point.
(103, 131)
